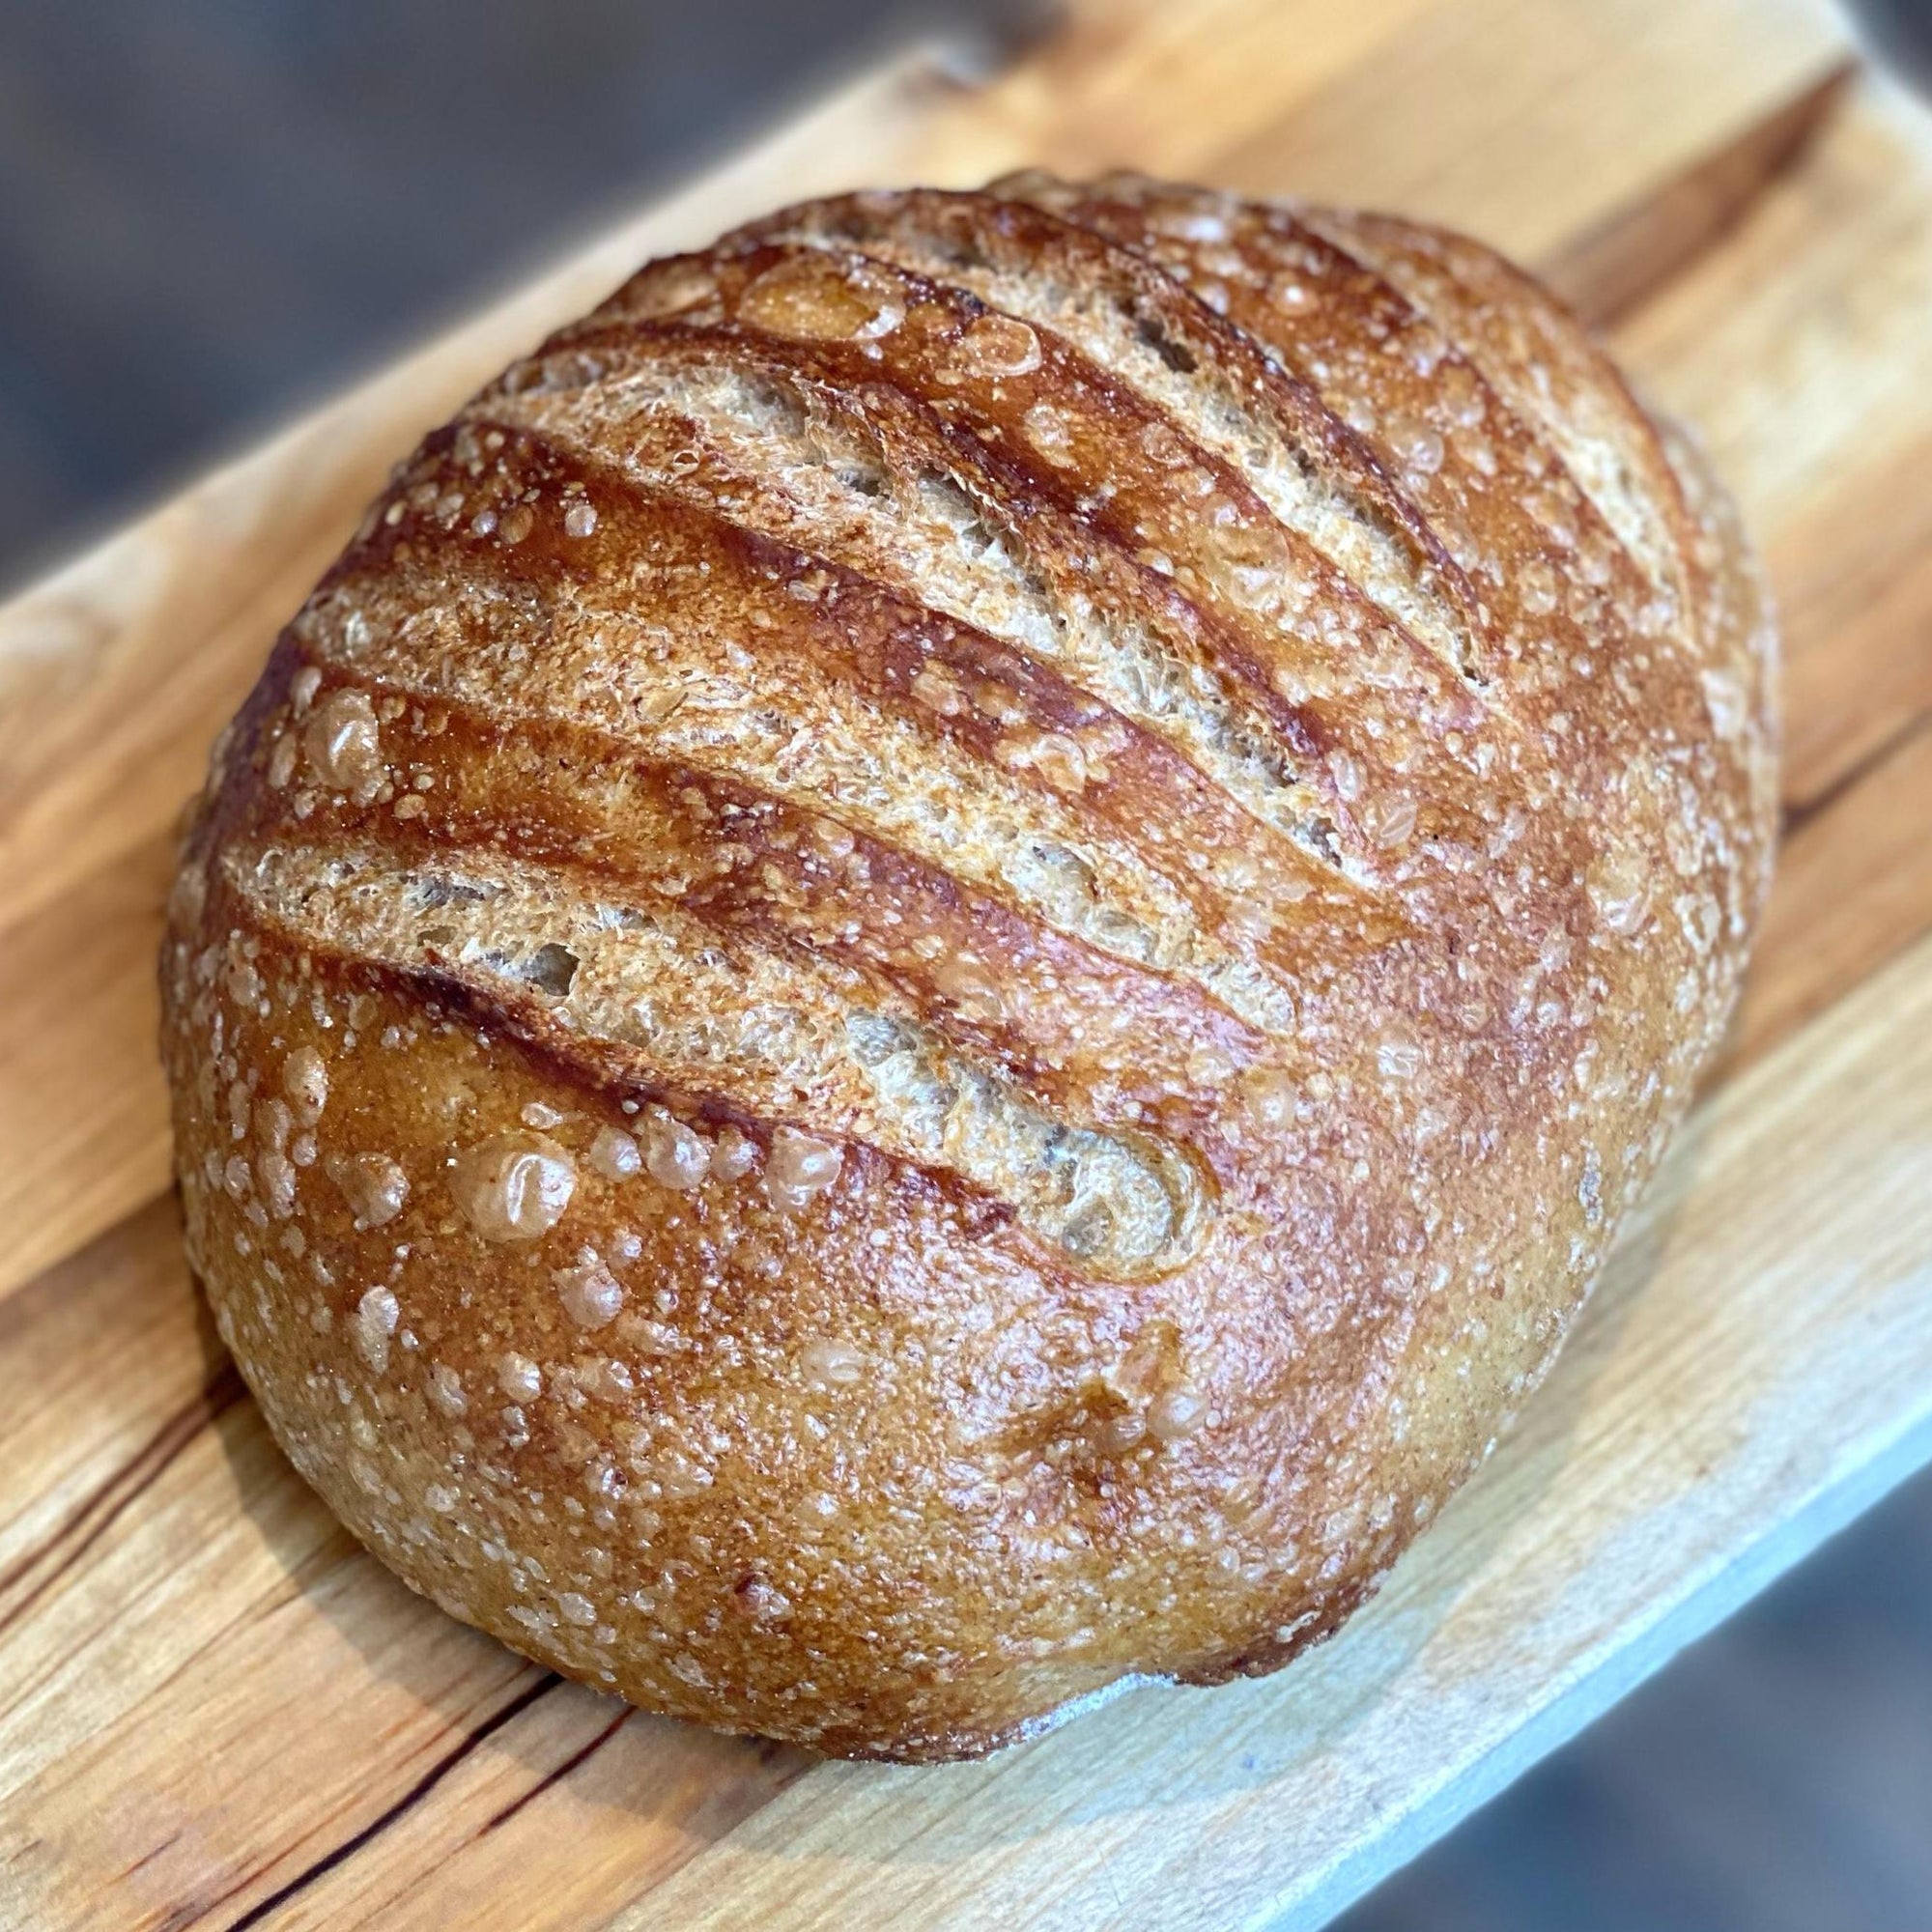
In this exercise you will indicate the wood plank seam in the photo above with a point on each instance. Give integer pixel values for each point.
(116, 1492)
(561, 1771)
(320, 1868)
(1867, 767)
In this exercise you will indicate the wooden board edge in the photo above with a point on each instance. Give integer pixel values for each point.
(1583, 1702)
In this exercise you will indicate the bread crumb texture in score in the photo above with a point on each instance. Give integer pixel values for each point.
(930, 977)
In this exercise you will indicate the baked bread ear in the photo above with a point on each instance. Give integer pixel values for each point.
(930, 978)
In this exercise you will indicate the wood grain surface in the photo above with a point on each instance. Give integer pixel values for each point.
(215, 1710)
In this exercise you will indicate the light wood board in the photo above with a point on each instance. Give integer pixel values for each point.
(215, 1710)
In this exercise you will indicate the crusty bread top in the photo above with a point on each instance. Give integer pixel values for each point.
(1151, 805)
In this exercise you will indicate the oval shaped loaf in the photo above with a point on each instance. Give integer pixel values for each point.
(930, 977)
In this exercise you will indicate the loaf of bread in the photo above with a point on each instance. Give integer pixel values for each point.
(927, 983)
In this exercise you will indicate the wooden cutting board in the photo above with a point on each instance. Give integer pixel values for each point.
(215, 1710)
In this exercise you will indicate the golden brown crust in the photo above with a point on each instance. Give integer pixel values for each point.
(932, 974)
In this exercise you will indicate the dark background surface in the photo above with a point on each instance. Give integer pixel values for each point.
(214, 209)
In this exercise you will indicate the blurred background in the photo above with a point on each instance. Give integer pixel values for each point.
(212, 210)
(215, 211)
